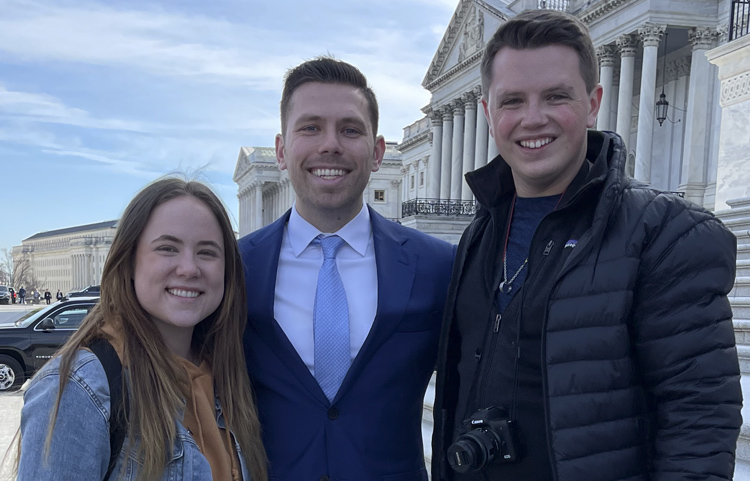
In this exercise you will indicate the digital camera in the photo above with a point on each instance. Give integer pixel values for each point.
(491, 439)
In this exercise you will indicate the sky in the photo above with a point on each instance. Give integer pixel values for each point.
(98, 98)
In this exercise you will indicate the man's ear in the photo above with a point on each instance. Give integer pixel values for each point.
(379, 153)
(485, 108)
(595, 102)
(280, 152)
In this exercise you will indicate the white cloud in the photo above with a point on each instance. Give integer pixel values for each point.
(46, 108)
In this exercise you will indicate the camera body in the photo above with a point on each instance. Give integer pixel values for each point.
(491, 438)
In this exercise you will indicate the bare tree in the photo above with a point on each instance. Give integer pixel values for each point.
(6, 267)
(23, 275)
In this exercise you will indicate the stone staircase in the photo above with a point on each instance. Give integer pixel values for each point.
(737, 219)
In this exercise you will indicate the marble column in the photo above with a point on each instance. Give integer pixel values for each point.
(457, 157)
(681, 74)
(480, 154)
(695, 150)
(433, 167)
(607, 55)
(650, 35)
(627, 45)
(258, 204)
(470, 125)
(445, 167)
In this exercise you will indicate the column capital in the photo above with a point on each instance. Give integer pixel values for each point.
(722, 33)
(258, 184)
(607, 54)
(425, 160)
(469, 100)
(627, 44)
(457, 106)
(651, 34)
(436, 117)
(702, 38)
(447, 112)
(404, 169)
(477, 90)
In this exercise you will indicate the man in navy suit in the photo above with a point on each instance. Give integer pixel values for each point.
(395, 279)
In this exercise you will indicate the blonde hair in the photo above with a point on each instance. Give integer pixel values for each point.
(156, 381)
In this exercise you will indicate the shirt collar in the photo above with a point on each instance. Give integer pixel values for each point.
(357, 232)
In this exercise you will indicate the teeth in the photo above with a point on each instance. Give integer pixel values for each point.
(328, 172)
(181, 293)
(535, 144)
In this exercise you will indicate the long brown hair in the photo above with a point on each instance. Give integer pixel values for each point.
(156, 380)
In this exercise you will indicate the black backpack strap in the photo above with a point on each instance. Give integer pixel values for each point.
(118, 427)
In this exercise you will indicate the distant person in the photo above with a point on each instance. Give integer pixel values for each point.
(344, 321)
(59, 296)
(21, 295)
(12, 295)
(47, 296)
(173, 308)
(587, 324)
(35, 295)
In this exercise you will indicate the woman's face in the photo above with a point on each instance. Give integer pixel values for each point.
(179, 266)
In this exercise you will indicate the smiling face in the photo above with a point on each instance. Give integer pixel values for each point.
(179, 267)
(329, 150)
(538, 110)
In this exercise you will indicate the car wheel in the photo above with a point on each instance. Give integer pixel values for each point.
(11, 373)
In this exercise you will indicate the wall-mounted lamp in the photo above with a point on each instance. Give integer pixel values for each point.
(662, 105)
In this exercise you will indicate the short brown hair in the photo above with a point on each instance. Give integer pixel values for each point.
(541, 28)
(330, 71)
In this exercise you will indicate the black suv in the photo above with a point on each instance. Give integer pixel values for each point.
(5, 295)
(90, 291)
(32, 340)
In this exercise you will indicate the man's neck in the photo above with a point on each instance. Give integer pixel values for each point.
(329, 221)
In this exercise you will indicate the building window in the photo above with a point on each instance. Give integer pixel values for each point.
(411, 183)
(421, 179)
(379, 196)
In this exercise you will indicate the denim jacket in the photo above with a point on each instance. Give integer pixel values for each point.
(80, 441)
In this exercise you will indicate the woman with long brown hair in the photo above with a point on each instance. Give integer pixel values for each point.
(173, 307)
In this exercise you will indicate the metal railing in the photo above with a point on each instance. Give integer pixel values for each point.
(438, 207)
(553, 5)
(739, 20)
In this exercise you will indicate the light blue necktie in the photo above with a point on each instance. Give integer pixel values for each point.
(331, 321)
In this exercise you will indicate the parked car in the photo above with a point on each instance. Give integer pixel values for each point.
(5, 296)
(90, 291)
(27, 344)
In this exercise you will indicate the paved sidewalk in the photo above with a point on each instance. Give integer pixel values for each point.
(10, 413)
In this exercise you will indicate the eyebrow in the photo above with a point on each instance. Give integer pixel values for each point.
(557, 88)
(345, 120)
(171, 238)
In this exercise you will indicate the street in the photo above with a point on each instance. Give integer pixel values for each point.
(9, 314)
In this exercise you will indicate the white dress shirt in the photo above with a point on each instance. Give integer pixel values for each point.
(297, 280)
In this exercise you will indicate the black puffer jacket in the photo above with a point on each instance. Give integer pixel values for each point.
(640, 373)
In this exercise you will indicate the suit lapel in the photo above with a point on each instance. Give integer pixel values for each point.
(261, 285)
(396, 266)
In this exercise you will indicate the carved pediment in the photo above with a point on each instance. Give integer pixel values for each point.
(253, 155)
(464, 38)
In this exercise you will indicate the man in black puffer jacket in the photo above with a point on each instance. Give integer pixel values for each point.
(590, 309)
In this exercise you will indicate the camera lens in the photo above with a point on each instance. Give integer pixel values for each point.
(474, 450)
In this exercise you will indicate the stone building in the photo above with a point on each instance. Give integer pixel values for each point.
(66, 259)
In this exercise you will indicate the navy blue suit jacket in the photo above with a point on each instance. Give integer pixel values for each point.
(372, 429)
